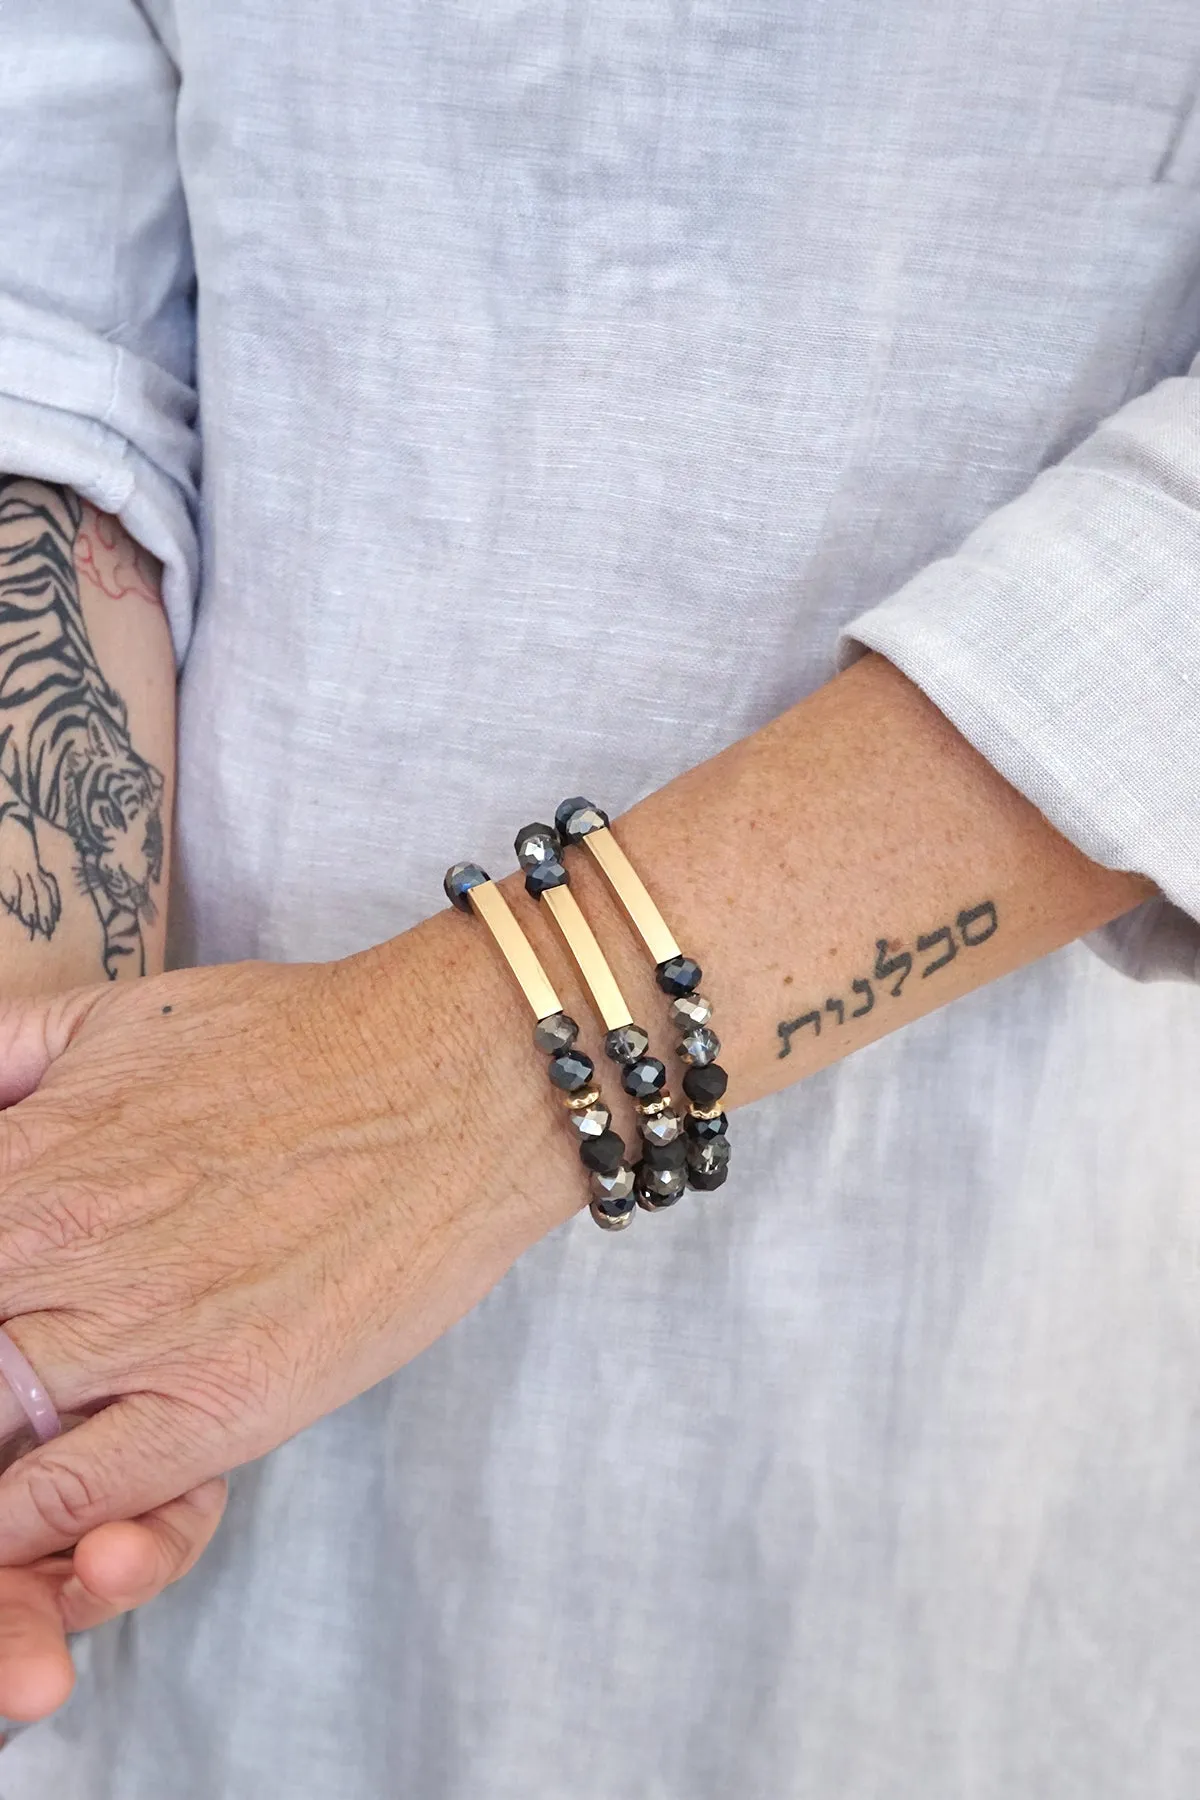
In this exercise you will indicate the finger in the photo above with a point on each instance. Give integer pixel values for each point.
(36, 1674)
(132, 1458)
(125, 1564)
(34, 1033)
(72, 1368)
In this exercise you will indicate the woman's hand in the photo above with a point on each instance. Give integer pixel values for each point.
(113, 1569)
(240, 1196)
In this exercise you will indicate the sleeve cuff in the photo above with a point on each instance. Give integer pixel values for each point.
(77, 410)
(1063, 641)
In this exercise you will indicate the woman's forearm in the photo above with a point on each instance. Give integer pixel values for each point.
(851, 866)
(87, 723)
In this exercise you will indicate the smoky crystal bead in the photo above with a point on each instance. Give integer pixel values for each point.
(700, 1046)
(708, 1164)
(690, 1010)
(604, 1154)
(626, 1043)
(613, 1191)
(459, 881)
(543, 875)
(679, 975)
(703, 1131)
(536, 844)
(705, 1084)
(660, 1128)
(557, 1031)
(576, 817)
(570, 1070)
(644, 1078)
(660, 1187)
(590, 1121)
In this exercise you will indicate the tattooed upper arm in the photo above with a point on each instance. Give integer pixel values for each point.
(67, 763)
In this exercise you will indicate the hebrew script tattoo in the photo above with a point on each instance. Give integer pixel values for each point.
(66, 759)
(893, 965)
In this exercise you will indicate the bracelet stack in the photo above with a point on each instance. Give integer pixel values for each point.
(677, 1149)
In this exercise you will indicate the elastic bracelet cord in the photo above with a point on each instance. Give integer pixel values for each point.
(601, 1149)
(578, 821)
(662, 1169)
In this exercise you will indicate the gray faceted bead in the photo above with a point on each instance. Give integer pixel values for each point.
(592, 1122)
(557, 1031)
(657, 1188)
(459, 880)
(626, 1043)
(661, 1128)
(543, 875)
(536, 844)
(707, 1159)
(690, 1010)
(576, 817)
(613, 1189)
(570, 1070)
(700, 1047)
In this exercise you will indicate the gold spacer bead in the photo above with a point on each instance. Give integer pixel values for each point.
(582, 1099)
(650, 1109)
(706, 1112)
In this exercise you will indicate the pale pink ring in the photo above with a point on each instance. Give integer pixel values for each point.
(22, 1378)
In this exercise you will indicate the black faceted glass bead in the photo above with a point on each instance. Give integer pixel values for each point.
(705, 1085)
(604, 1154)
(679, 975)
(543, 875)
(644, 1078)
(665, 1156)
(570, 1070)
(459, 881)
(706, 1180)
(703, 1131)
(625, 1043)
(576, 817)
(535, 844)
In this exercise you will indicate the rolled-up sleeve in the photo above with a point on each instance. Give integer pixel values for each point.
(96, 286)
(1063, 641)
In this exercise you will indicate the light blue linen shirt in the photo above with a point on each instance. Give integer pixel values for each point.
(573, 378)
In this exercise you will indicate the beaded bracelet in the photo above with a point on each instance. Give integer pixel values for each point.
(578, 821)
(662, 1171)
(601, 1149)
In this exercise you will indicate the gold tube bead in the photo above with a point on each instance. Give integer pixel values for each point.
(590, 960)
(515, 948)
(633, 895)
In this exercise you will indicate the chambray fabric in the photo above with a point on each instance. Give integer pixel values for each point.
(573, 379)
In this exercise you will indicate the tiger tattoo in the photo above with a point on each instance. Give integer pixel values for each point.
(66, 759)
